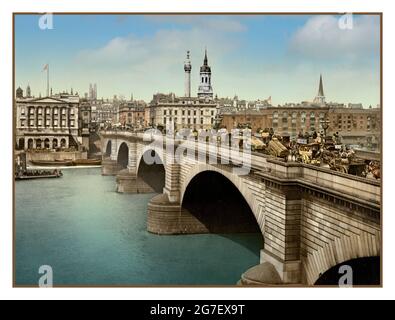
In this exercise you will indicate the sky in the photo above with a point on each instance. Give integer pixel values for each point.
(252, 56)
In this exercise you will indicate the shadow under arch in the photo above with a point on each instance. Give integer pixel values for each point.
(123, 155)
(364, 272)
(152, 172)
(340, 251)
(218, 204)
(108, 148)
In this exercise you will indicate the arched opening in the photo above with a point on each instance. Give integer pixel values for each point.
(38, 143)
(30, 144)
(123, 155)
(21, 143)
(108, 149)
(46, 143)
(218, 204)
(63, 143)
(152, 173)
(365, 271)
(55, 143)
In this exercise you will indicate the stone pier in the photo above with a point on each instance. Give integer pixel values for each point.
(110, 167)
(128, 182)
(165, 217)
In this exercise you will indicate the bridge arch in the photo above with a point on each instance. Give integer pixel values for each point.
(340, 251)
(108, 147)
(240, 182)
(153, 172)
(159, 155)
(211, 183)
(123, 155)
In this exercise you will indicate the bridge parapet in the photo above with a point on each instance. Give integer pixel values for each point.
(348, 185)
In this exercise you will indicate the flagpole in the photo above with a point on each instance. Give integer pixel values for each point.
(47, 80)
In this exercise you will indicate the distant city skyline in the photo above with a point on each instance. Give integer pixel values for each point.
(253, 57)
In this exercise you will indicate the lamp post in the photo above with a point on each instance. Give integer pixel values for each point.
(325, 125)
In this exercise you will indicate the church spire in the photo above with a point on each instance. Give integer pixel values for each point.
(321, 88)
(205, 62)
(320, 98)
(205, 89)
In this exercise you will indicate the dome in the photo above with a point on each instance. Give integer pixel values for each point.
(262, 274)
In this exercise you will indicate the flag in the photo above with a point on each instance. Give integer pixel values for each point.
(45, 67)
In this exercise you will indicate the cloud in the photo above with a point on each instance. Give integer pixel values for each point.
(321, 37)
(163, 50)
(154, 62)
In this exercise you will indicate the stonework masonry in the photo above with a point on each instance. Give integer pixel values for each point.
(311, 218)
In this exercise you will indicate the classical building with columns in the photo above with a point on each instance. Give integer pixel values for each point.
(47, 123)
(172, 112)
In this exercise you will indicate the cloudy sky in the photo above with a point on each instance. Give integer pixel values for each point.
(252, 56)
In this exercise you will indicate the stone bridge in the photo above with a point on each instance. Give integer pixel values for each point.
(311, 219)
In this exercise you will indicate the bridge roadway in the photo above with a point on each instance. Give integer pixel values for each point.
(311, 218)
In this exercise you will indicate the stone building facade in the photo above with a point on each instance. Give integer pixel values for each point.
(355, 126)
(47, 123)
(196, 113)
(182, 112)
(132, 114)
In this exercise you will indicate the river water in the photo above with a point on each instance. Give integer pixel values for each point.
(91, 235)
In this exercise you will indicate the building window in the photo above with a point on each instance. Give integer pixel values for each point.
(22, 111)
(164, 112)
(63, 123)
(72, 123)
(47, 123)
(303, 117)
(294, 115)
(31, 123)
(63, 111)
(39, 122)
(285, 117)
(201, 120)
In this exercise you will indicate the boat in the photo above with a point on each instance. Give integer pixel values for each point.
(87, 162)
(38, 174)
(52, 162)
